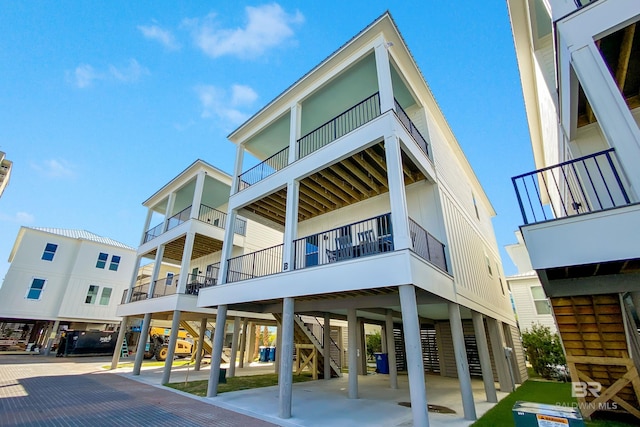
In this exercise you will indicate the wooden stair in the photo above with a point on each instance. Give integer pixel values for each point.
(303, 335)
(592, 328)
(194, 331)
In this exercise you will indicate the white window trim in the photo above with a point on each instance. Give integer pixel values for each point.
(26, 295)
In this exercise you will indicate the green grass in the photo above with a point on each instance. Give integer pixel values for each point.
(150, 363)
(549, 392)
(199, 388)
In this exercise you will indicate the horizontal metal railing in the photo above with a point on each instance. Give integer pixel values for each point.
(179, 218)
(154, 232)
(262, 170)
(588, 184)
(354, 117)
(427, 246)
(368, 237)
(256, 264)
(196, 282)
(140, 292)
(412, 129)
(218, 219)
(165, 286)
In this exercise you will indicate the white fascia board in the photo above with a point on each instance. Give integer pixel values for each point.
(505, 316)
(429, 278)
(191, 172)
(604, 236)
(389, 269)
(341, 148)
(167, 303)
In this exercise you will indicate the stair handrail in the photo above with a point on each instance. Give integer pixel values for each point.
(321, 342)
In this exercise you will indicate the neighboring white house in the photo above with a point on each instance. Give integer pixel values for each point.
(530, 302)
(185, 228)
(579, 64)
(64, 278)
(383, 222)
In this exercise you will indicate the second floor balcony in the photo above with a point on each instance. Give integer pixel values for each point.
(365, 238)
(584, 185)
(206, 214)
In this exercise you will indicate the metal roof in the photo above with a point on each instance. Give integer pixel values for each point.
(82, 235)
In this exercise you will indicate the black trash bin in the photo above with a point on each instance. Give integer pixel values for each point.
(382, 363)
(222, 376)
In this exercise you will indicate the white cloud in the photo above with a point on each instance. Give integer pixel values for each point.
(130, 73)
(225, 106)
(19, 218)
(266, 27)
(84, 75)
(55, 168)
(165, 37)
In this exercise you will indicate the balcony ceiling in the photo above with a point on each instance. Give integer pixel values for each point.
(621, 52)
(202, 246)
(352, 180)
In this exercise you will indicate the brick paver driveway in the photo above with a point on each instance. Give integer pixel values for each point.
(44, 391)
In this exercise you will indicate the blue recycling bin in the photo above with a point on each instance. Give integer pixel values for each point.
(272, 354)
(382, 363)
(263, 356)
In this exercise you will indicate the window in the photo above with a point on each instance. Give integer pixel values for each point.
(92, 294)
(102, 260)
(475, 206)
(105, 296)
(49, 252)
(169, 280)
(115, 262)
(486, 257)
(540, 300)
(36, 288)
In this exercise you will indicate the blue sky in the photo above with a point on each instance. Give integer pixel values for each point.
(102, 103)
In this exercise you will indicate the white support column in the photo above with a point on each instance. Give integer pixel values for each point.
(216, 352)
(147, 224)
(168, 213)
(243, 342)
(294, 131)
(278, 344)
(200, 344)
(54, 332)
(383, 339)
(496, 336)
(610, 108)
(234, 347)
(156, 270)
(171, 351)
(237, 170)
(118, 350)
(413, 349)
(252, 342)
(197, 195)
(462, 364)
(186, 263)
(134, 279)
(326, 345)
(391, 348)
(352, 324)
(142, 342)
(290, 226)
(285, 378)
(397, 195)
(383, 68)
(362, 349)
(227, 246)
(485, 358)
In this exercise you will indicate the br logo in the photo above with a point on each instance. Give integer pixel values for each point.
(584, 389)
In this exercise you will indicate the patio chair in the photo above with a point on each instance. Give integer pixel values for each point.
(344, 247)
(368, 244)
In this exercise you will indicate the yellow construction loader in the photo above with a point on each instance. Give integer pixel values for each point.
(158, 344)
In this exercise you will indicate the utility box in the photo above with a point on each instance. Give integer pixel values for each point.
(529, 414)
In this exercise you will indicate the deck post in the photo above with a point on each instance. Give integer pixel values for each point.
(234, 347)
(171, 351)
(142, 342)
(352, 324)
(243, 342)
(496, 335)
(326, 346)
(391, 349)
(286, 359)
(485, 358)
(462, 364)
(118, 350)
(200, 344)
(216, 351)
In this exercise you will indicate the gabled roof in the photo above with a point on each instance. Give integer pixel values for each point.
(83, 235)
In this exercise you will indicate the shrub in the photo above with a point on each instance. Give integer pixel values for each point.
(374, 344)
(544, 350)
